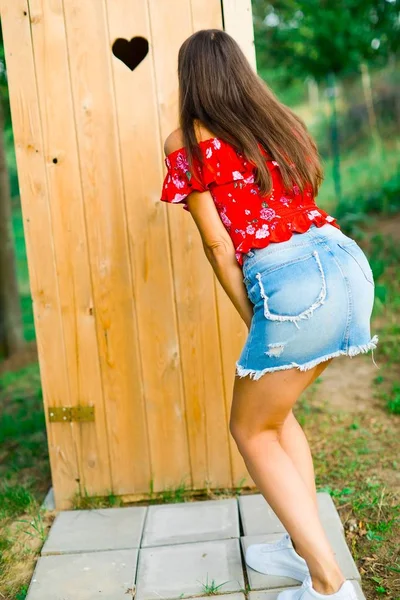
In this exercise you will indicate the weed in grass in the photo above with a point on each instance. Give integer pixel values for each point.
(336, 493)
(238, 489)
(151, 487)
(36, 527)
(380, 589)
(211, 587)
(86, 502)
(172, 495)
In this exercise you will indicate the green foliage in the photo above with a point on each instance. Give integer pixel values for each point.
(371, 185)
(84, 501)
(210, 588)
(305, 37)
(22, 438)
(22, 593)
(393, 399)
(14, 500)
(177, 494)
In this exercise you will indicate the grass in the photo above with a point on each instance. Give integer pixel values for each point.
(180, 493)
(362, 174)
(356, 450)
(210, 588)
(25, 478)
(356, 465)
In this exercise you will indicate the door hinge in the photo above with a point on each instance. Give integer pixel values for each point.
(66, 414)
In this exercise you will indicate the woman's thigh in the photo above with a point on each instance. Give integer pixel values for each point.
(263, 404)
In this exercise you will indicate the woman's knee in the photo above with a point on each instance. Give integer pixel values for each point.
(261, 407)
(246, 435)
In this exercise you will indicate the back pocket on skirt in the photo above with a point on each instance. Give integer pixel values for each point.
(292, 290)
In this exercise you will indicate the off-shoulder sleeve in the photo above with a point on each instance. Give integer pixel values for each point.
(222, 163)
(180, 181)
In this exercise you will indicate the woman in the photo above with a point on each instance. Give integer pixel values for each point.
(247, 170)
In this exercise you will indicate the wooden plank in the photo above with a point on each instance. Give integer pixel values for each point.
(211, 18)
(141, 159)
(69, 238)
(171, 24)
(238, 22)
(233, 334)
(115, 309)
(231, 330)
(38, 232)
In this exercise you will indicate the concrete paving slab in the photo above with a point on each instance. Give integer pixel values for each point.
(88, 576)
(49, 501)
(237, 596)
(258, 517)
(327, 510)
(179, 570)
(273, 594)
(269, 594)
(259, 581)
(191, 522)
(93, 530)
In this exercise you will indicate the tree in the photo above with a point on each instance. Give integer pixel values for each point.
(11, 329)
(317, 37)
(325, 40)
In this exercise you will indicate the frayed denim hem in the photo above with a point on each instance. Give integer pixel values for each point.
(352, 351)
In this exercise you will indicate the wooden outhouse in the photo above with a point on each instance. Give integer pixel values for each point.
(137, 340)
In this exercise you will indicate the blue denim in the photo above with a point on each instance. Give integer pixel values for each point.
(312, 300)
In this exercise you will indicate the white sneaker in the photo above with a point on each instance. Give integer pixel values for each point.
(307, 592)
(278, 558)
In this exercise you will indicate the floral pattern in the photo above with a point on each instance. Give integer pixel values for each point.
(252, 220)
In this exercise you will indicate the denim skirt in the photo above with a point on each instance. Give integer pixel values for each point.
(312, 300)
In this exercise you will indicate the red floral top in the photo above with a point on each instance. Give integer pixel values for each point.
(252, 221)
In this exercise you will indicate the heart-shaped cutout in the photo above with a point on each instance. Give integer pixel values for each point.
(131, 52)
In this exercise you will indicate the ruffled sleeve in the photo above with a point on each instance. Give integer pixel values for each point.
(180, 181)
(222, 163)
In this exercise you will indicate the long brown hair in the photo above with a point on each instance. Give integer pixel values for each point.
(219, 88)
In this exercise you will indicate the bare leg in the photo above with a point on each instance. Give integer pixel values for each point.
(293, 440)
(259, 410)
(295, 444)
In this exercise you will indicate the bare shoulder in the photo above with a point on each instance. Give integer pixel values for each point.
(175, 139)
(173, 142)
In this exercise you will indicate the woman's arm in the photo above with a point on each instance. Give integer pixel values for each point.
(217, 243)
(220, 251)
